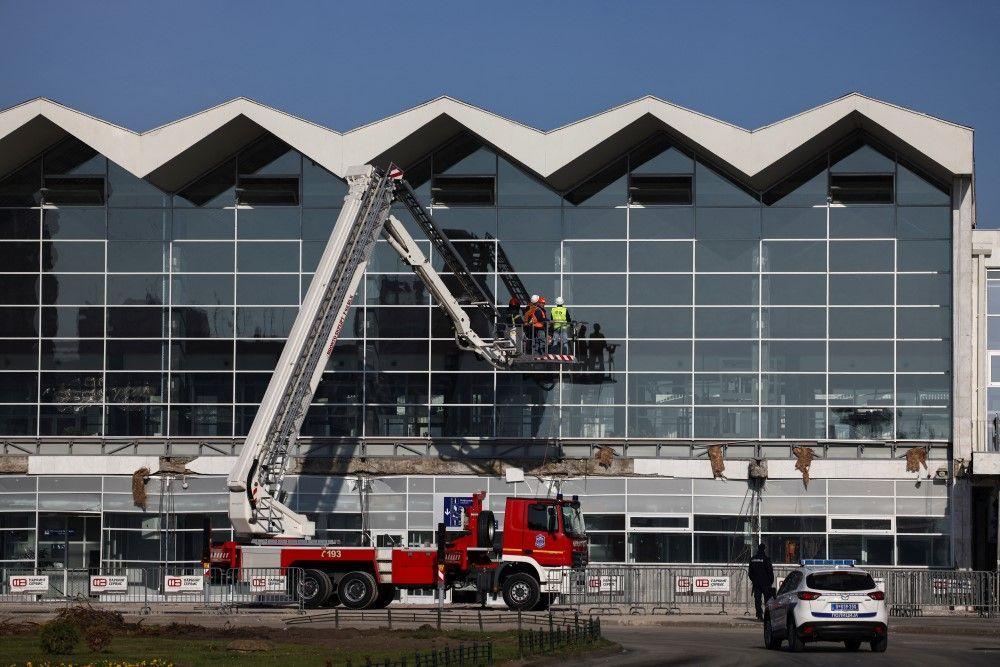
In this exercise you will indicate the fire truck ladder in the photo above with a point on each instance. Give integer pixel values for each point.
(256, 506)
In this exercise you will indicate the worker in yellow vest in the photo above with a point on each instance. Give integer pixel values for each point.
(560, 327)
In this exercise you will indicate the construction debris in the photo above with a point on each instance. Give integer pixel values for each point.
(804, 456)
(916, 457)
(604, 456)
(718, 462)
(139, 478)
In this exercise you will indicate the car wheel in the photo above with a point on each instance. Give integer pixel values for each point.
(880, 644)
(314, 588)
(795, 644)
(521, 592)
(852, 644)
(357, 590)
(770, 641)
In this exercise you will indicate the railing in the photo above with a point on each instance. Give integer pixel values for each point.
(726, 589)
(475, 654)
(214, 589)
(530, 642)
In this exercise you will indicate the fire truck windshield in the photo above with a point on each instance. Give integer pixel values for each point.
(572, 519)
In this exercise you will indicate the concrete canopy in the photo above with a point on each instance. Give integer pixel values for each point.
(173, 154)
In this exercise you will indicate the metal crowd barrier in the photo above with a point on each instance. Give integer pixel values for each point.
(214, 589)
(644, 589)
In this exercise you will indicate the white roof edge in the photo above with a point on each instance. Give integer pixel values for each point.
(545, 152)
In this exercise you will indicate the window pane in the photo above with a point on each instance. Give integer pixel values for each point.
(861, 356)
(912, 189)
(517, 188)
(125, 189)
(538, 224)
(721, 389)
(860, 423)
(73, 322)
(794, 290)
(726, 289)
(320, 187)
(661, 223)
(659, 422)
(201, 387)
(861, 323)
(128, 322)
(793, 322)
(202, 289)
(924, 255)
(857, 256)
(923, 389)
(725, 422)
(861, 389)
(66, 354)
(785, 256)
(137, 256)
(712, 189)
(660, 389)
(726, 256)
(656, 256)
(923, 423)
(862, 160)
(660, 547)
(202, 355)
(202, 322)
(726, 322)
(925, 289)
(923, 323)
(201, 420)
(70, 420)
(653, 289)
(74, 223)
(862, 222)
(133, 290)
(728, 223)
(795, 223)
(659, 322)
(267, 322)
(730, 355)
(924, 223)
(73, 256)
(608, 188)
(795, 356)
(203, 224)
(864, 549)
(269, 257)
(593, 256)
(808, 423)
(921, 356)
(794, 389)
(136, 355)
(861, 289)
(202, 257)
(661, 355)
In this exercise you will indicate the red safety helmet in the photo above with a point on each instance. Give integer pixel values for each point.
(541, 300)
(514, 302)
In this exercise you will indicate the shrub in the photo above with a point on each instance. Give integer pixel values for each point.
(59, 636)
(98, 637)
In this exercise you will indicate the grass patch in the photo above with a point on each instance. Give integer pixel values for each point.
(266, 646)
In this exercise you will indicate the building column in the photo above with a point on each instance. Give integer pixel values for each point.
(964, 394)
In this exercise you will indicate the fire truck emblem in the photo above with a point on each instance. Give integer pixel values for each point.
(539, 541)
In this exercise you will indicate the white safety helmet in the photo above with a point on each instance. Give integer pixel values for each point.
(534, 298)
(559, 301)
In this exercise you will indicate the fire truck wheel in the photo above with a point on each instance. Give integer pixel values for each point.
(332, 600)
(544, 600)
(357, 590)
(521, 592)
(386, 594)
(484, 537)
(314, 588)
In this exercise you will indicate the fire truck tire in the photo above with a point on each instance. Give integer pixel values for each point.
(521, 592)
(386, 594)
(332, 600)
(357, 590)
(484, 536)
(314, 588)
(544, 600)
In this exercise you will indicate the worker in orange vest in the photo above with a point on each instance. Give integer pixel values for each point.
(535, 319)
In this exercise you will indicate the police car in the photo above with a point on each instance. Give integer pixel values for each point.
(827, 600)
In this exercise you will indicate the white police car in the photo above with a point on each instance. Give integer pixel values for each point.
(827, 600)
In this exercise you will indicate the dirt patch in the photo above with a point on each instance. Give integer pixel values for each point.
(10, 627)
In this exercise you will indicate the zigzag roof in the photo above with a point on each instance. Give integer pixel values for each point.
(171, 153)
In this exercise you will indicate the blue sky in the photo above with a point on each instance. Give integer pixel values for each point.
(543, 63)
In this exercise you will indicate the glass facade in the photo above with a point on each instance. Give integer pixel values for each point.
(636, 520)
(818, 310)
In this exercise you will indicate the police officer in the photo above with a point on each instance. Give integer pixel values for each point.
(560, 327)
(761, 575)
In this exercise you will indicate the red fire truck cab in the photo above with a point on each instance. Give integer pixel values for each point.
(543, 542)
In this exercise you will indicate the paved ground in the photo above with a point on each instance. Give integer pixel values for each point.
(717, 644)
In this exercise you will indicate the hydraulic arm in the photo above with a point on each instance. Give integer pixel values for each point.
(256, 501)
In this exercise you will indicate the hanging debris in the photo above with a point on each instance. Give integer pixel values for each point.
(718, 463)
(916, 457)
(804, 456)
(604, 456)
(757, 473)
(139, 478)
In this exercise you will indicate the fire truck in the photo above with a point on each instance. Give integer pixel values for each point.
(543, 539)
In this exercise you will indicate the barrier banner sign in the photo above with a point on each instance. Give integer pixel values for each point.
(268, 583)
(28, 583)
(951, 586)
(710, 584)
(605, 584)
(682, 584)
(182, 583)
(103, 583)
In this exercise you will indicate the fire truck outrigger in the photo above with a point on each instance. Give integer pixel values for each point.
(543, 539)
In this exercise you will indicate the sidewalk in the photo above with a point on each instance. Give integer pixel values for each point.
(932, 625)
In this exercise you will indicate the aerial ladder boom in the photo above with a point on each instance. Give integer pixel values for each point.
(256, 501)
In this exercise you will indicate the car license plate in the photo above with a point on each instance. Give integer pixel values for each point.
(844, 606)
